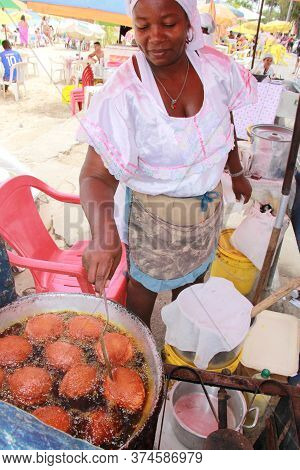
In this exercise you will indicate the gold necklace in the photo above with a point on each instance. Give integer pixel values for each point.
(174, 100)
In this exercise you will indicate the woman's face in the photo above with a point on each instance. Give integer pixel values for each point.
(268, 62)
(161, 30)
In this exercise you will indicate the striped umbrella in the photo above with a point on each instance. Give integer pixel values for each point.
(105, 11)
(12, 17)
(9, 4)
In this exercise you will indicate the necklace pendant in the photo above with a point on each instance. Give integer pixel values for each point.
(173, 104)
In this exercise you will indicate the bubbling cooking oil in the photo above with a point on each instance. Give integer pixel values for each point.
(78, 409)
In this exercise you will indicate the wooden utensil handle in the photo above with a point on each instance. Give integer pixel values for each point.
(269, 301)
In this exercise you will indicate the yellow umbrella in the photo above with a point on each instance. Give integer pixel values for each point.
(241, 28)
(224, 16)
(251, 25)
(12, 16)
(278, 27)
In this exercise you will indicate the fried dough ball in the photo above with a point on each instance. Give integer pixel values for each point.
(63, 355)
(119, 349)
(1, 377)
(30, 385)
(79, 381)
(101, 427)
(126, 390)
(43, 328)
(54, 416)
(14, 350)
(85, 327)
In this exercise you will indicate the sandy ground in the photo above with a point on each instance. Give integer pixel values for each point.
(40, 132)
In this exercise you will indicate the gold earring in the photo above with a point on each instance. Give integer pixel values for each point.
(190, 39)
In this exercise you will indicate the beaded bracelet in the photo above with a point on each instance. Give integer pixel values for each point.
(235, 175)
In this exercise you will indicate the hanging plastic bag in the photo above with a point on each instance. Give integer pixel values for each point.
(253, 235)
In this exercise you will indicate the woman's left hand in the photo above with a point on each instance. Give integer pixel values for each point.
(241, 187)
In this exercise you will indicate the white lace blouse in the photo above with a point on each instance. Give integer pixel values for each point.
(154, 153)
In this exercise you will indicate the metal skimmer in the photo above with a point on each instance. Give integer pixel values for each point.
(101, 338)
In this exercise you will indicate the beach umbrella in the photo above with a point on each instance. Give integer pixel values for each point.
(224, 15)
(20, 5)
(249, 15)
(240, 28)
(278, 27)
(81, 30)
(105, 11)
(9, 4)
(236, 11)
(12, 17)
(251, 25)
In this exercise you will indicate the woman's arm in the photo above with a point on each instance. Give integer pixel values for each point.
(240, 184)
(97, 190)
(92, 55)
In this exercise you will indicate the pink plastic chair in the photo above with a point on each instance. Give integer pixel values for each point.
(77, 95)
(112, 64)
(53, 269)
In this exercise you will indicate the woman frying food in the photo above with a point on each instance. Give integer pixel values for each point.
(160, 135)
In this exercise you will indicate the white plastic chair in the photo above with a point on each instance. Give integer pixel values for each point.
(14, 85)
(57, 67)
(89, 91)
(1, 74)
(77, 68)
(247, 62)
(30, 59)
(222, 48)
(33, 61)
(243, 54)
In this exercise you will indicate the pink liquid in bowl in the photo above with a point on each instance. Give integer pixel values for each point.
(194, 412)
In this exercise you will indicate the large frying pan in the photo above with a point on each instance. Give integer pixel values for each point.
(36, 304)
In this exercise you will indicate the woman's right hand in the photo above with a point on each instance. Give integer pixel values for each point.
(97, 190)
(101, 264)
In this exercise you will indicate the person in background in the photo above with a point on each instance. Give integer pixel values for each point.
(52, 34)
(297, 65)
(129, 37)
(231, 42)
(97, 54)
(265, 66)
(7, 284)
(241, 42)
(208, 28)
(290, 44)
(9, 58)
(271, 40)
(3, 32)
(67, 42)
(38, 37)
(23, 31)
(46, 30)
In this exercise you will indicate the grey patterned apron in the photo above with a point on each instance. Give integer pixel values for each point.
(171, 237)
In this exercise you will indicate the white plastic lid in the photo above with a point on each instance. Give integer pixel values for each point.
(273, 344)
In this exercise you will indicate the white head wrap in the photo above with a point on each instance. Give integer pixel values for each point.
(190, 7)
(208, 22)
(268, 55)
